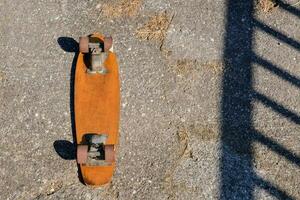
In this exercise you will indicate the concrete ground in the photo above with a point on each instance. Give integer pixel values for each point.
(209, 110)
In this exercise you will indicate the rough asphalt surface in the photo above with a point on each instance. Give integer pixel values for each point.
(189, 129)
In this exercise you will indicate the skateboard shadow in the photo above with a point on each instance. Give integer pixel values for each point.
(66, 149)
(68, 45)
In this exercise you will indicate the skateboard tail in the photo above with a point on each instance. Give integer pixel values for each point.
(97, 175)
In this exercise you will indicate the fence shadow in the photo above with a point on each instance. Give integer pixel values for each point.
(238, 178)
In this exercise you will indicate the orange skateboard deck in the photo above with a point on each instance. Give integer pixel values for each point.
(97, 109)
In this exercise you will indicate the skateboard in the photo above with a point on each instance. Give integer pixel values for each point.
(97, 108)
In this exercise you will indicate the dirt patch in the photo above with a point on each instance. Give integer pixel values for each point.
(183, 152)
(267, 5)
(2, 76)
(204, 132)
(182, 136)
(155, 28)
(183, 67)
(121, 8)
(215, 65)
(194, 131)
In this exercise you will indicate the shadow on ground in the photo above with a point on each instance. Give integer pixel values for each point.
(238, 178)
(66, 149)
